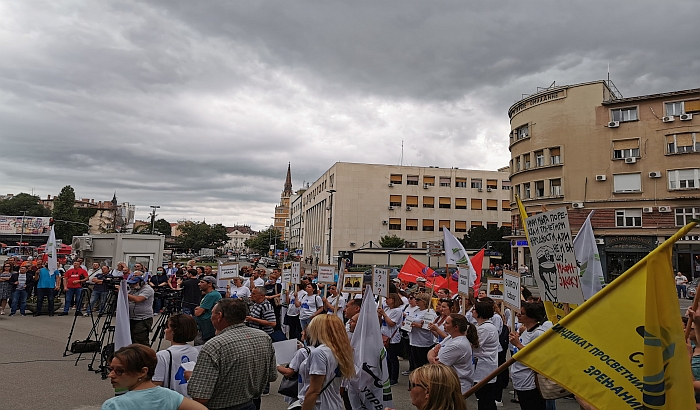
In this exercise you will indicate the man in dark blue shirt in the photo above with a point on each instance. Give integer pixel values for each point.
(100, 291)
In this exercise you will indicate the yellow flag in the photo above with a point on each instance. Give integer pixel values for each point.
(624, 347)
(555, 311)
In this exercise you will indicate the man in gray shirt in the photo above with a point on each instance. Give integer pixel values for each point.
(140, 309)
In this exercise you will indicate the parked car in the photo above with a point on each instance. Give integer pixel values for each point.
(691, 288)
(232, 258)
(269, 262)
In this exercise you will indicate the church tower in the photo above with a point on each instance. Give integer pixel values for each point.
(282, 210)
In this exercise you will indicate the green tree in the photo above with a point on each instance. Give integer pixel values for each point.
(163, 227)
(64, 210)
(478, 237)
(261, 242)
(198, 235)
(15, 206)
(391, 241)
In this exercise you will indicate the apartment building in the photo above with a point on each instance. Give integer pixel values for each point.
(635, 161)
(352, 204)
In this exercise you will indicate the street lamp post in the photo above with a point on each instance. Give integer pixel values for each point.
(330, 224)
(153, 218)
(21, 231)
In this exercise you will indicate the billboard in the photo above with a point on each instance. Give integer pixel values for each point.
(28, 225)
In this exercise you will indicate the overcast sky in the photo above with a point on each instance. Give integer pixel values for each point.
(198, 106)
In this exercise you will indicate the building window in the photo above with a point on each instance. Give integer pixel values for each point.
(394, 224)
(505, 205)
(428, 202)
(429, 181)
(460, 203)
(411, 179)
(395, 200)
(461, 182)
(516, 191)
(526, 190)
(684, 215)
(396, 179)
(476, 204)
(411, 224)
(517, 164)
(412, 201)
(492, 184)
(476, 223)
(476, 183)
(539, 158)
(491, 225)
(526, 161)
(539, 189)
(408, 244)
(555, 187)
(626, 153)
(674, 108)
(428, 225)
(554, 156)
(522, 132)
(442, 224)
(505, 185)
(683, 143)
(628, 218)
(624, 114)
(627, 182)
(683, 179)
(492, 205)
(460, 226)
(446, 181)
(445, 202)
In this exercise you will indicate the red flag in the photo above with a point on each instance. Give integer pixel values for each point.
(413, 269)
(478, 262)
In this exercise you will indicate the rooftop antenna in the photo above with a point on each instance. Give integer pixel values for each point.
(401, 160)
(608, 73)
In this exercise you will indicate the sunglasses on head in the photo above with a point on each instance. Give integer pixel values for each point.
(411, 385)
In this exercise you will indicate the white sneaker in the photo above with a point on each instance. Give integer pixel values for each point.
(499, 403)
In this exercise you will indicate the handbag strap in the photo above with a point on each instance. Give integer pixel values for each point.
(335, 373)
(170, 366)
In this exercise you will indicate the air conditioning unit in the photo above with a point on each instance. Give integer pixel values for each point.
(630, 160)
(480, 189)
(577, 205)
(391, 184)
(665, 209)
(425, 186)
(385, 222)
(655, 174)
(489, 189)
(599, 241)
(648, 209)
(668, 118)
(600, 177)
(408, 208)
(328, 208)
(391, 208)
(686, 117)
(613, 124)
(352, 243)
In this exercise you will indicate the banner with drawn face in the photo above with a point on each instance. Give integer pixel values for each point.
(554, 261)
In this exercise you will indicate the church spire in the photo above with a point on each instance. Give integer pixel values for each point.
(288, 182)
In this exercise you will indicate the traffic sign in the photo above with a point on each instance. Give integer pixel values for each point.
(317, 249)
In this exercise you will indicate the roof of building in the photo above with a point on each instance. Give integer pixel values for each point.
(654, 96)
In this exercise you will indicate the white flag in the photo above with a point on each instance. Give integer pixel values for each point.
(51, 251)
(456, 255)
(122, 331)
(371, 388)
(588, 259)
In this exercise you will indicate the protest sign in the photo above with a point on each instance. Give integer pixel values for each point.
(380, 282)
(429, 318)
(296, 272)
(464, 280)
(511, 290)
(352, 282)
(286, 277)
(326, 274)
(555, 268)
(284, 351)
(494, 289)
(228, 271)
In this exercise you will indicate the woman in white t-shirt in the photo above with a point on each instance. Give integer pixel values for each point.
(486, 355)
(310, 305)
(327, 365)
(292, 318)
(456, 349)
(420, 338)
(179, 330)
(330, 301)
(444, 309)
(531, 316)
(238, 291)
(409, 308)
(390, 319)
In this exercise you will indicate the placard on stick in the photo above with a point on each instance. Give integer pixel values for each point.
(295, 273)
(286, 277)
(494, 290)
(464, 283)
(326, 274)
(380, 281)
(228, 271)
(511, 290)
(352, 282)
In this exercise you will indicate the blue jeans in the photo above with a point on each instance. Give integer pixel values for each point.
(19, 297)
(304, 323)
(70, 294)
(96, 294)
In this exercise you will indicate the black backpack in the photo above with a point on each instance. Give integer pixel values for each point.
(503, 337)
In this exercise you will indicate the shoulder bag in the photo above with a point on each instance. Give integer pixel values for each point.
(289, 386)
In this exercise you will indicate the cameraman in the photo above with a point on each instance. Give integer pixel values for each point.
(99, 291)
(140, 309)
(159, 282)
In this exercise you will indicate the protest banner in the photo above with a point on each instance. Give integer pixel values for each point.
(380, 281)
(326, 274)
(494, 289)
(554, 261)
(352, 282)
(228, 271)
(511, 290)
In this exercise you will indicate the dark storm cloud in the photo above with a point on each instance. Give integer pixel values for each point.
(198, 107)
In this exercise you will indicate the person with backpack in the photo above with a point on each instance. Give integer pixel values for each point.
(180, 329)
(310, 305)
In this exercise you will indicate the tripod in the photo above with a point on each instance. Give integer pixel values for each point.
(172, 305)
(78, 303)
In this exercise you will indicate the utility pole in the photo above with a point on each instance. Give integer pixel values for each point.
(21, 232)
(153, 218)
